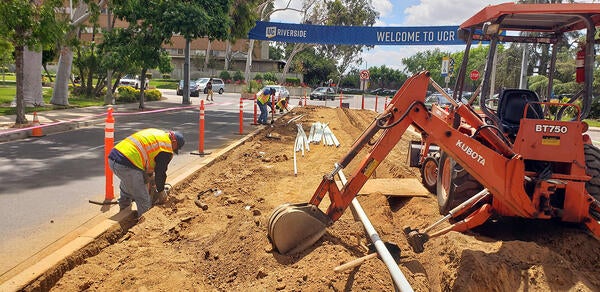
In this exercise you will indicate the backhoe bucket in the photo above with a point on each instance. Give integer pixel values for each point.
(295, 227)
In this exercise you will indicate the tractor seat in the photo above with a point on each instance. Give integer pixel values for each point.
(512, 105)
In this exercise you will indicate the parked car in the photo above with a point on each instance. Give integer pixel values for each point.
(436, 98)
(217, 85)
(133, 81)
(440, 100)
(323, 93)
(194, 91)
(383, 91)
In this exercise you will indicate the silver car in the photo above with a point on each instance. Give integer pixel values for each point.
(217, 85)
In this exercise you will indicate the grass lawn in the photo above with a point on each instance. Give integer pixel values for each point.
(7, 95)
(164, 83)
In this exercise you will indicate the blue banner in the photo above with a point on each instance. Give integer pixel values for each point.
(355, 35)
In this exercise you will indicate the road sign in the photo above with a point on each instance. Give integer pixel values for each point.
(447, 80)
(474, 75)
(445, 66)
(451, 67)
(364, 74)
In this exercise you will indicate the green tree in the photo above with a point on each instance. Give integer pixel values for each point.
(191, 19)
(6, 56)
(314, 67)
(430, 60)
(32, 25)
(384, 77)
(243, 16)
(347, 13)
(152, 23)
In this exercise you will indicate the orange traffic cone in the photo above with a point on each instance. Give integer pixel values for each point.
(37, 129)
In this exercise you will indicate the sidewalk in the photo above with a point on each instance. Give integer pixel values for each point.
(62, 120)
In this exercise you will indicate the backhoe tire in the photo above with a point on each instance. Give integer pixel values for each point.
(592, 168)
(454, 184)
(429, 173)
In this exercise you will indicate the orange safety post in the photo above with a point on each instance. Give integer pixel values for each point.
(362, 106)
(304, 97)
(201, 131)
(341, 98)
(241, 116)
(255, 120)
(376, 99)
(109, 142)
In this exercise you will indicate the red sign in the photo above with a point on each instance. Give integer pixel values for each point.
(474, 75)
(364, 74)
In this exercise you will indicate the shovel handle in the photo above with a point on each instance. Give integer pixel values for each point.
(355, 262)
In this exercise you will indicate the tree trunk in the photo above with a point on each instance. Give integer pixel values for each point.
(297, 48)
(32, 93)
(249, 61)
(61, 86)
(60, 95)
(20, 101)
(142, 83)
(207, 56)
(186, 74)
(47, 73)
(227, 55)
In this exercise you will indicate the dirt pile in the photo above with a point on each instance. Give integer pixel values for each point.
(180, 247)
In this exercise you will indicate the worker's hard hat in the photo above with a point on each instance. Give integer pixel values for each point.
(176, 137)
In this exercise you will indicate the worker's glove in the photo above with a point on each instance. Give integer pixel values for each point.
(159, 198)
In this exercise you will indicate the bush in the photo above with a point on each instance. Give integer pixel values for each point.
(237, 76)
(595, 109)
(127, 94)
(166, 76)
(225, 75)
(270, 76)
(252, 86)
(152, 94)
(258, 76)
(294, 81)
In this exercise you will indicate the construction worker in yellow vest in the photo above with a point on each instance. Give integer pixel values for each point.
(263, 98)
(139, 158)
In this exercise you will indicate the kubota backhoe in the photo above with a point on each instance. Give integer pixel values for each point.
(527, 158)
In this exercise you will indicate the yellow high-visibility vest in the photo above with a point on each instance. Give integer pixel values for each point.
(263, 98)
(142, 147)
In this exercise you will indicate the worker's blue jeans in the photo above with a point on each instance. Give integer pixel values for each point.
(264, 113)
(132, 187)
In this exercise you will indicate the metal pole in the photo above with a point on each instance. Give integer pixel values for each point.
(397, 276)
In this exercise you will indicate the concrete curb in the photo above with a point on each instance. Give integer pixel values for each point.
(88, 235)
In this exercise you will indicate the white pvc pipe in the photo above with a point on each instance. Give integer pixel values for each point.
(397, 276)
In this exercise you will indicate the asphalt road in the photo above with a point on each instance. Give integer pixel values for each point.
(45, 183)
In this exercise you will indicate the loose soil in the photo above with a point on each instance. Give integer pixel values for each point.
(181, 247)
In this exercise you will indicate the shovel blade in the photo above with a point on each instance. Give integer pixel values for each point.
(295, 227)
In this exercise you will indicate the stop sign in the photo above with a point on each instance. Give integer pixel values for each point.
(474, 75)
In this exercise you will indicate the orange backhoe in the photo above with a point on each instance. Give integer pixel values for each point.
(527, 157)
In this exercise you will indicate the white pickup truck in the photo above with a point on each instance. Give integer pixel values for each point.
(133, 81)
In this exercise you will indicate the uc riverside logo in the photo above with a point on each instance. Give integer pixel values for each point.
(271, 31)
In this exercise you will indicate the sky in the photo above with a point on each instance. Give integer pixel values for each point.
(404, 13)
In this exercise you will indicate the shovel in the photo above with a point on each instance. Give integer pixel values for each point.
(392, 248)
